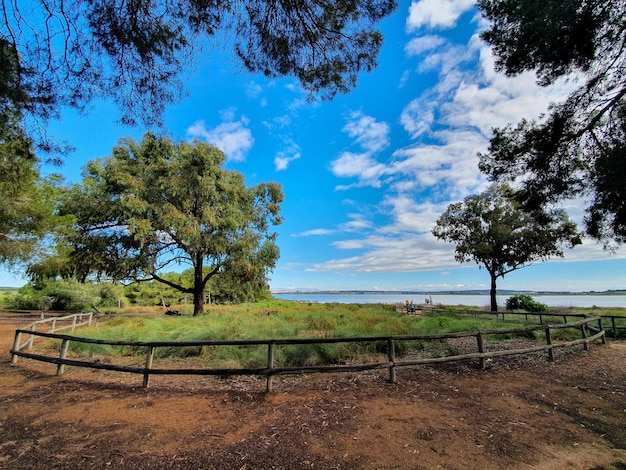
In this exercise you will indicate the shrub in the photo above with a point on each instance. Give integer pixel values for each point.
(525, 302)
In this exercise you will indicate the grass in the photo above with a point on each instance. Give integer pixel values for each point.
(276, 319)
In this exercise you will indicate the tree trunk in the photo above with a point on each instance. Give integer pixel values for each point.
(198, 286)
(198, 301)
(492, 293)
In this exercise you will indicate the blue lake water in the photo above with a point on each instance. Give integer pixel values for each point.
(478, 300)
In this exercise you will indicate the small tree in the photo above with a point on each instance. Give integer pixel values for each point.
(154, 203)
(492, 230)
(525, 302)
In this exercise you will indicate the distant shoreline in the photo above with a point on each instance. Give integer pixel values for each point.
(440, 292)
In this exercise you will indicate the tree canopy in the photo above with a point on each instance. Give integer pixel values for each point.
(27, 210)
(153, 204)
(27, 202)
(135, 50)
(492, 229)
(578, 149)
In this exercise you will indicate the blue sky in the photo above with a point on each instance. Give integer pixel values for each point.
(365, 176)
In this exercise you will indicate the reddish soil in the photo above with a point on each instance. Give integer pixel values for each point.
(519, 413)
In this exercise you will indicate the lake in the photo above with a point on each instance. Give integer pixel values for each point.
(478, 300)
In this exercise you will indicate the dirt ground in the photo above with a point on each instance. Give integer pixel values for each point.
(519, 413)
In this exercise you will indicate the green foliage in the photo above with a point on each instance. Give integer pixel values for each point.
(136, 51)
(492, 230)
(286, 320)
(577, 149)
(154, 203)
(525, 302)
(66, 295)
(27, 201)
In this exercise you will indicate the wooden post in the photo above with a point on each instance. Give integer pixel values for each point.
(32, 337)
(602, 329)
(613, 327)
(146, 373)
(549, 343)
(16, 347)
(64, 347)
(270, 366)
(481, 349)
(392, 359)
(540, 319)
(583, 331)
(74, 321)
(53, 325)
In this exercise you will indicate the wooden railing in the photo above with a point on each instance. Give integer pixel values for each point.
(616, 327)
(56, 324)
(271, 369)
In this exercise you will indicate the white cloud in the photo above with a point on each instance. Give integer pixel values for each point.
(417, 46)
(404, 253)
(436, 13)
(288, 154)
(359, 165)
(314, 232)
(231, 137)
(284, 158)
(358, 223)
(373, 136)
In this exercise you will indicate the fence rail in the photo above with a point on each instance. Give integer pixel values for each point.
(272, 370)
(617, 323)
(56, 324)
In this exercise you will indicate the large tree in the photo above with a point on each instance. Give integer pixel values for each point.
(154, 203)
(27, 202)
(492, 230)
(578, 149)
(135, 50)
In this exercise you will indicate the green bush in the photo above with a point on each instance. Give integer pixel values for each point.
(525, 302)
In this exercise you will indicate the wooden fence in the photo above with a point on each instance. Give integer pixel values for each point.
(272, 370)
(617, 323)
(56, 324)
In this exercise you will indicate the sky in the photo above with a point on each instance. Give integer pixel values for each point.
(365, 176)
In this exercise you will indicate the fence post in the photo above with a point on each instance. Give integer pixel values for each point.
(392, 359)
(601, 328)
(53, 325)
(146, 373)
(613, 327)
(481, 348)
(16, 347)
(583, 331)
(549, 343)
(32, 337)
(270, 366)
(74, 321)
(64, 346)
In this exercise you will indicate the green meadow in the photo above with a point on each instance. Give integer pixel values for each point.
(281, 319)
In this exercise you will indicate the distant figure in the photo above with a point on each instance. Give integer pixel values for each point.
(411, 307)
(426, 301)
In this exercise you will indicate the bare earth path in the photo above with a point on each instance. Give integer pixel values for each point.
(518, 414)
